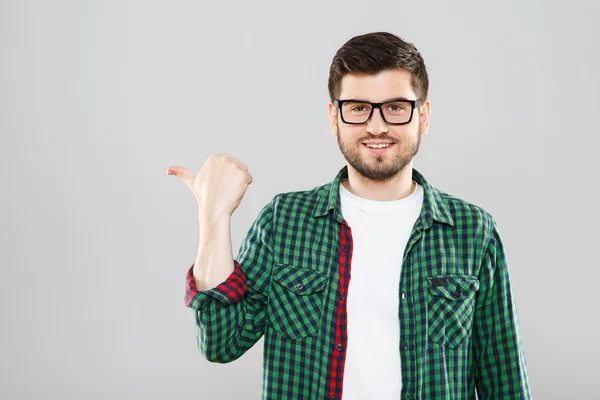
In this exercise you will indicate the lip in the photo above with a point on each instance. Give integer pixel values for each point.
(379, 151)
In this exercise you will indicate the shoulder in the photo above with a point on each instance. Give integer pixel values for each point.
(466, 214)
(301, 201)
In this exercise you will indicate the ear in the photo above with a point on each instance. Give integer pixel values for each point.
(425, 114)
(333, 119)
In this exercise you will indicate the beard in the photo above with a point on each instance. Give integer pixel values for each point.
(377, 168)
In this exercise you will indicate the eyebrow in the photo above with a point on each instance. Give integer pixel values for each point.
(384, 101)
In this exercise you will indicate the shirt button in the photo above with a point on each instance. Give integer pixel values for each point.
(345, 248)
(332, 397)
(403, 295)
(299, 286)
(338, 347)
(405, 345)
(458, 292)
(342, 296)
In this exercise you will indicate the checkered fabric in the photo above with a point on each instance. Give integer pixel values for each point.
(459, 330)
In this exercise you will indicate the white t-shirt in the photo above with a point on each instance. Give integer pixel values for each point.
(380, 232)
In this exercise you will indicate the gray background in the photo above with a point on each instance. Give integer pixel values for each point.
(99, 98)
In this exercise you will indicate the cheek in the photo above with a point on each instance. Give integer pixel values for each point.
(350, 134)
(404, 131)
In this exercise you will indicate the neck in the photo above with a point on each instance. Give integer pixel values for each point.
(396, 188)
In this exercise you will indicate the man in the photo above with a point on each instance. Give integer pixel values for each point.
(376, 285)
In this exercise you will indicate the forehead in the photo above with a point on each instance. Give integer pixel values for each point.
(385, 85)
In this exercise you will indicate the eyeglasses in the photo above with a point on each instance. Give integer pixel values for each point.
(393, 112)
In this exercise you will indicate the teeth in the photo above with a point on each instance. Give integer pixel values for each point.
(378, 146)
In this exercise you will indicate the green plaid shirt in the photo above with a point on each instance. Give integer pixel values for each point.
(459, 331)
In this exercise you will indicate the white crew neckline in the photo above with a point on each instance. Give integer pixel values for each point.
(379, 204)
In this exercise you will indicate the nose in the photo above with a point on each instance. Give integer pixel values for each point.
(376, 125)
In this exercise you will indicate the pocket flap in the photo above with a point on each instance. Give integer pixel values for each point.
(300, 280)
(454, 287)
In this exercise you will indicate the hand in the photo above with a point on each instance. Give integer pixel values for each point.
(219, 186)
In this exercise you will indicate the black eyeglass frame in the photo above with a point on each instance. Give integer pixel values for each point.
(414, 103)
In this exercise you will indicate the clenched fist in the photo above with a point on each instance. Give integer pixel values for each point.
(219, 186)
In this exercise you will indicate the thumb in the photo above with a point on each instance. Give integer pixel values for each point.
(183, 173)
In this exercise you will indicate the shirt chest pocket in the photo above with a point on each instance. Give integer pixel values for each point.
(451, 304)
(295, 302)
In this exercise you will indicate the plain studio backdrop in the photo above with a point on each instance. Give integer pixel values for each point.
(98, 98)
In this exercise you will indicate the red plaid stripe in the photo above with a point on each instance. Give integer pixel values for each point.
(336, 379)
(231, 290)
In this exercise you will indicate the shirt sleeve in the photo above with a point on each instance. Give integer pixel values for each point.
(229, 291)
(500, 367)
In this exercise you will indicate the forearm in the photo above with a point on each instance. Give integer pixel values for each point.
(214, 260)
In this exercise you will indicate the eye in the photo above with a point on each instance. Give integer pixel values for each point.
(396, 107)
(357, 108)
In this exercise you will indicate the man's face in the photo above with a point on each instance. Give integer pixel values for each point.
(381, 164)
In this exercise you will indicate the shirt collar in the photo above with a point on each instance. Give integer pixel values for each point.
(435, 205)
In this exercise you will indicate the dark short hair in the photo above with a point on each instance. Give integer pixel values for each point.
(373, 53)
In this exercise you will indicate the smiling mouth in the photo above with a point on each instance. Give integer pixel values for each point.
(379, 149)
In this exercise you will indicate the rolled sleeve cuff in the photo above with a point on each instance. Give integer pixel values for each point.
(229, 291)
